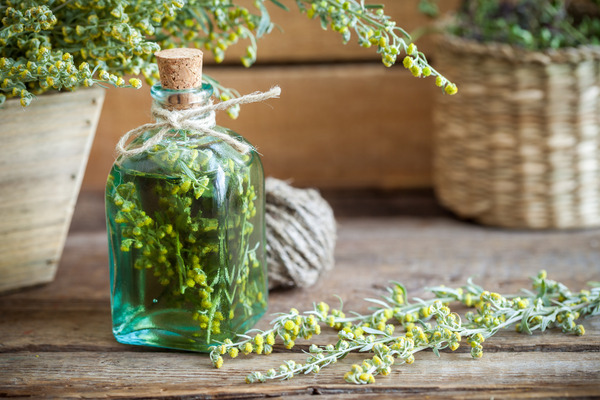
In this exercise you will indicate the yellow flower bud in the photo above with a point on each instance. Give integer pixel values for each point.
(289, 325)
(136, 83)
(415, 70)
(451, 89)
(270, 339)
(247, 349)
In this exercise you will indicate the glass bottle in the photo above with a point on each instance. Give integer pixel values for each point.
(186, 237)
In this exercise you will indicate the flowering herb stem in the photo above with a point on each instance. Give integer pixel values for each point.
(64, 44)
(427, 324)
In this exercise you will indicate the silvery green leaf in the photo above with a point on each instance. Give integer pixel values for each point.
(264, 25)
(524, 323)
(372, 331)
(367, 347)
(420, 301)
(244, 336)
(376, 301)
(545, 322)
(280, 5)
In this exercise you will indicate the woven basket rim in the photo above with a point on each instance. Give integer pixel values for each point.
(515, 54)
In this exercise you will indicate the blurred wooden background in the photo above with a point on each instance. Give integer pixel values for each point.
(343, 120)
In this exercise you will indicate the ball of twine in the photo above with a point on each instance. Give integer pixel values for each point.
(301, 235)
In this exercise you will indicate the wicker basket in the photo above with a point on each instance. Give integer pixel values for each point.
(519, 146)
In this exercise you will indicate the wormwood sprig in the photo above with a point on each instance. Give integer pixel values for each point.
(176, 232)
(373, 28)
(65, 44)
(427, 324)
(288, 327)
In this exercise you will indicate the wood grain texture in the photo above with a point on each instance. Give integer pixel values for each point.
(156, 374)
(44, 153)
(334, 126)
(343, 120)
(56, 341)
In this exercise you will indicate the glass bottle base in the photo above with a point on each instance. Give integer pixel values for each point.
(145, 331)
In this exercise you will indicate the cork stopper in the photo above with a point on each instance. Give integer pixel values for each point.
(180, 68)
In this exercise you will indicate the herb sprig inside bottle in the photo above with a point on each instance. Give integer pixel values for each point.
(185, 215)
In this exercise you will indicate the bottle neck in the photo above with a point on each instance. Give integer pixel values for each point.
(182, 99)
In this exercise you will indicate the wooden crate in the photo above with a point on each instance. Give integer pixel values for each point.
(44, 152)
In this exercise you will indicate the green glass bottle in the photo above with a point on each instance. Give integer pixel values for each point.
(186, 235)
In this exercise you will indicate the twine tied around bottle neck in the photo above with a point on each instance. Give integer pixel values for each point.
(198, 121)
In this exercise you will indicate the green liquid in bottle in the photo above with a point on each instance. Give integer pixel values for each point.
(187, 246)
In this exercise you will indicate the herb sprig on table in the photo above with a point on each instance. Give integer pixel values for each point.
(426, 324)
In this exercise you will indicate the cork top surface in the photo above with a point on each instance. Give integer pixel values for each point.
(180, 68)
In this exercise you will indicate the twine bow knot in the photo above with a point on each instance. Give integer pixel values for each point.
(199, 121)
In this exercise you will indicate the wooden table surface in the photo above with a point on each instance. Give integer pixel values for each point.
(56, 340)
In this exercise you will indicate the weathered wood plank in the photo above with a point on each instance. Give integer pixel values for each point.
(45, 150)
(89, 330)
(83, 308)
(334, 125)
(419, 251)
(56, 341)
(152, 374)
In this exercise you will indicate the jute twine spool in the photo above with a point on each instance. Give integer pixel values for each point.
(301, 235)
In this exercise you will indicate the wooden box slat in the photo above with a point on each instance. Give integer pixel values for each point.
(334, 125)
(44, 151)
